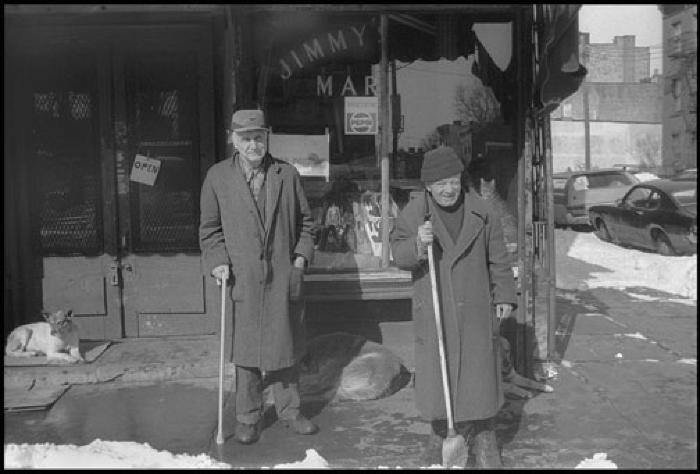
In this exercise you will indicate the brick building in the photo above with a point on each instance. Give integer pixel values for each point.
(624, 104)
(619, 61)
(680, 63)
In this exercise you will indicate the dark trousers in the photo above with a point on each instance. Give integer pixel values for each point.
(249, 393)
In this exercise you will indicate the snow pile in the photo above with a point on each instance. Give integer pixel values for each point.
(637, 335)
(645, 176)
(101, 454)
(313, 460)
(634, 268)
(598, 461)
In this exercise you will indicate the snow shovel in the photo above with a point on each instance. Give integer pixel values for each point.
(220, 430)
(454, 448)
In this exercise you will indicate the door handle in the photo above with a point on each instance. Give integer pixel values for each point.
(114, 274)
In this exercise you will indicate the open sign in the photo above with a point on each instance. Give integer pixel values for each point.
(361, 115)
(145, 170)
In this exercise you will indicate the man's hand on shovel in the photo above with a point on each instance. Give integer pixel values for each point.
(425, 236)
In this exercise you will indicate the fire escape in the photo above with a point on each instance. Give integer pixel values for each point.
(683, 48)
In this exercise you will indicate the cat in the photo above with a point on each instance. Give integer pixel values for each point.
(57, 338)
(487, 191)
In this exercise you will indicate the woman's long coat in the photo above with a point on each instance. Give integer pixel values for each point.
(473, 275)
(268, 332)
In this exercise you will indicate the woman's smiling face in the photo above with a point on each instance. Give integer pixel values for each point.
(446, 191)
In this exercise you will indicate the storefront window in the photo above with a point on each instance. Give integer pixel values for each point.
(317, 77)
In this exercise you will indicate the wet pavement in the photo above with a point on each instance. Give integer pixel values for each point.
(626, 385)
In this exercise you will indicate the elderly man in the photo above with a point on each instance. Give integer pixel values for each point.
(256, 228)
(476, 291)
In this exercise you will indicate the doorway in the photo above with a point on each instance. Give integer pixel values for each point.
(90, 103)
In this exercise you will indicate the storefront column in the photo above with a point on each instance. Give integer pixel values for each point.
(384, 130)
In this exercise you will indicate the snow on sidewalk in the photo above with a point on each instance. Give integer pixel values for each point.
(101, 454)
(634, 268)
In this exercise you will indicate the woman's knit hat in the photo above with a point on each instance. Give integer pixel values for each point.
(440, 163)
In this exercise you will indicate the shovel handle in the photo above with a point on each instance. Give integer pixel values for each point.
(220, 429)
(441, 341)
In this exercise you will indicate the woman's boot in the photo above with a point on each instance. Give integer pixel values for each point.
(432, 455)
(486, 452)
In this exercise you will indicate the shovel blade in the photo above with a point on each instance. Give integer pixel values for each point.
(454, 452)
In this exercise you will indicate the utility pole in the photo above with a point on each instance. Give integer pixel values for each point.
(395, 103)
(586, 126)
(384, 131)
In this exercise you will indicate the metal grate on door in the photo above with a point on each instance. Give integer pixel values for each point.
(64, 165)
(163, 119)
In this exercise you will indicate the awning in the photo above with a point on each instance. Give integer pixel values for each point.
(430, 37)
(561, 73)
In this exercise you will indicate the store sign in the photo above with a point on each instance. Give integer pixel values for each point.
(351, 42)
(145, 170)
(325, 86)
(361, 115)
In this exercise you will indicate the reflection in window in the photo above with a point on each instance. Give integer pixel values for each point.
(654, 201)
(581, 183)
(309, 67)
(638, 198)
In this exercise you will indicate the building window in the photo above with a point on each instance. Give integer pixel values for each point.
(676, 95)
(676, 144)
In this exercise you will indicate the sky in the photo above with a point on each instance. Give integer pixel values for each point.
(604, 22)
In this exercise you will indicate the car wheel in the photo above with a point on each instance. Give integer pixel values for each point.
(602, 230)
(663, 245)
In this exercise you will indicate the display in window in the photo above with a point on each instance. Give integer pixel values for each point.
(308, 153)
(349, 231)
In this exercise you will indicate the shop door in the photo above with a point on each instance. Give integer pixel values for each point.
(123, 254)
(163, 117)
(65, 175)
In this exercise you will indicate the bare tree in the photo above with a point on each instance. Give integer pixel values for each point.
(476, 103)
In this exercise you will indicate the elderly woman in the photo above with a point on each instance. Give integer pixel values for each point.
(476, 291)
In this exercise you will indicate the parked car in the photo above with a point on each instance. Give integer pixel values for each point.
(660, 215)
(689, 175)
(576, 191)
(642, 173)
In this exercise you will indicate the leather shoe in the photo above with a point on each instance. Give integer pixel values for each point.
(246, 433)
(302, 425)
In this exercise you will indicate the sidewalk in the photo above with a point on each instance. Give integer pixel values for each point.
(615, 392)
(131, 360)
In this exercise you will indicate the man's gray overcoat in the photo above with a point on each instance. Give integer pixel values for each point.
(268, 332)
(473, 275)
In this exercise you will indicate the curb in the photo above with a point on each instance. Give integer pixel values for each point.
(16, 377)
